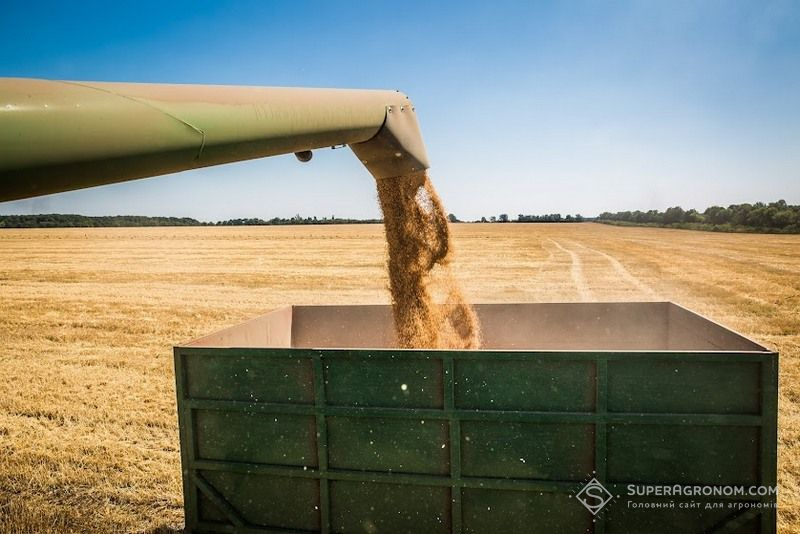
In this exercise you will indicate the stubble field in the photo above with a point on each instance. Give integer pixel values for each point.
(88, 318)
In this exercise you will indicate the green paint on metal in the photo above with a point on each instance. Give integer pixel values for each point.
(684, 387)
(389, 384)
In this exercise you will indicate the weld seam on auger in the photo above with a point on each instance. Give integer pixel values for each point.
(151, 106)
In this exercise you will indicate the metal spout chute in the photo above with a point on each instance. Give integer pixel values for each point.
(59, 135)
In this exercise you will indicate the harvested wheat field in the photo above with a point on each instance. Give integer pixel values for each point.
(88, 318)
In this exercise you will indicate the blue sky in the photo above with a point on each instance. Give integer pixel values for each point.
(525, 107)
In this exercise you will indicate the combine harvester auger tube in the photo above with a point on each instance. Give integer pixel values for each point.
(63, 135)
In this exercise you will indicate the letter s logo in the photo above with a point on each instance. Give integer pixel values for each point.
(594, 496)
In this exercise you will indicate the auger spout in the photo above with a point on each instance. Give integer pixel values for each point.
(61, 135)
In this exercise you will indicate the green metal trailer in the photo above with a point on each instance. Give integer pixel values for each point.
(308, 419)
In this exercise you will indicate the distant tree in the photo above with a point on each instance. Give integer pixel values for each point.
(503, 218)
(492, 219)
(483, 219)
(654, 216)
(673, 215)
(739, 213)
(691, 216)
(716, 215)
(785, 217)
(452, 218)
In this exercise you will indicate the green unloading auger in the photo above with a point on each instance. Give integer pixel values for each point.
(62, 135)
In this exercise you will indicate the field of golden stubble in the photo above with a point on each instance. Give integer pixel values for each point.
(88, 318)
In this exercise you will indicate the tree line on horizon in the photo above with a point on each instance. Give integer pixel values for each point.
(59, 220)
(547, 218)
(774, 217)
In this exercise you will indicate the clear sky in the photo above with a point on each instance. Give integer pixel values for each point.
(526, 107)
